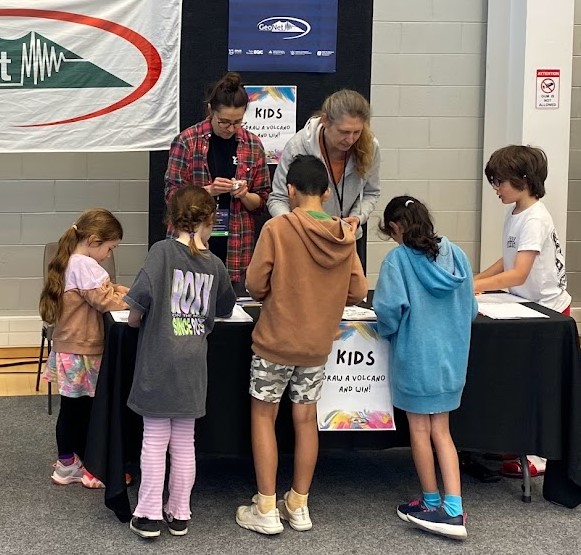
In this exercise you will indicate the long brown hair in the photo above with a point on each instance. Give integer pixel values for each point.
(98, 223)
(350, 103)
(190, 207)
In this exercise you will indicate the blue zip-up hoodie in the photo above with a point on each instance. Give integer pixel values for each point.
(425, 308)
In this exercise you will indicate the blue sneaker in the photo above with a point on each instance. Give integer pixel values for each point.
(413, 507)
(438, 521)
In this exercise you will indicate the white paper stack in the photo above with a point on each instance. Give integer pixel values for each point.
(358, 313)
(120, 315)
(238, 315)
(498, 298)
(508, 311)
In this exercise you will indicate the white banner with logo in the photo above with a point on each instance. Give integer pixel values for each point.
(89, 75)
(272, 115)
(356, 393)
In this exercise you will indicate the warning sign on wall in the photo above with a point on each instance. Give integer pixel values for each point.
(548, 83)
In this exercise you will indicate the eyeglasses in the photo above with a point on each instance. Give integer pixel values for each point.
(495, 182)
(225, 124)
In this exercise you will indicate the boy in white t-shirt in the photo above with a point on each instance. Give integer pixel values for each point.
(532, 264)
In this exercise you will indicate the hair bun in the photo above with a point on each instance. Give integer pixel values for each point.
(231, 81)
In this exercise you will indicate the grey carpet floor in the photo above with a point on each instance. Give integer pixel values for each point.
(352, 504)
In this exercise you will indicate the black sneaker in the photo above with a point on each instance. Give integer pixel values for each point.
(438, 521)
(176, 527)
(413, 507)
(144, 527)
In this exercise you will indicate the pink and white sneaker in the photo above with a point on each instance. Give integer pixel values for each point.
(89, 481)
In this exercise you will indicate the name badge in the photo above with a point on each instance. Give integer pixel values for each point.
(221, 227)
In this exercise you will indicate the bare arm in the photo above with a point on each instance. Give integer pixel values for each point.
(488, 281)
(496, 268)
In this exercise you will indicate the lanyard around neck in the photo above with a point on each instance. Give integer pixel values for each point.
(330, 168)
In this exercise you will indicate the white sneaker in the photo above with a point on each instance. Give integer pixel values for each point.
(249, 517)
(299, 519)
(64, 475)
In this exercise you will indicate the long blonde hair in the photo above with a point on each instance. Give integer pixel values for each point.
(97, 222)
(347, 102)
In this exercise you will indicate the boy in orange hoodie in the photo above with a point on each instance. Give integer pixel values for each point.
(305, 270)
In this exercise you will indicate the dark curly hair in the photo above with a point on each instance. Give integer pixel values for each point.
(416, 223)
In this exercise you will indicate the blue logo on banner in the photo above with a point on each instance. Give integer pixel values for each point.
(303, 39)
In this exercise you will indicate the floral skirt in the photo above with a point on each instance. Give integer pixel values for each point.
(75, 375)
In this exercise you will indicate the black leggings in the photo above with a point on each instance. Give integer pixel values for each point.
(72, 425)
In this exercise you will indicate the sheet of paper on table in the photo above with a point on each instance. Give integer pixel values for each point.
(120, 315)
(358, 313)
(498, 298)
(238, 315)
(508, 311)
(247, 301)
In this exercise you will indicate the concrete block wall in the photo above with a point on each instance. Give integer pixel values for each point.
(573, 260)
(427, 100)
(427, 96)
(41, 194)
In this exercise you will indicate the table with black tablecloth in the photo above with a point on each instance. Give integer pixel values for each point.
(522, 395)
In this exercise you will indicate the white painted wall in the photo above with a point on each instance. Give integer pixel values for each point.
(524, 36)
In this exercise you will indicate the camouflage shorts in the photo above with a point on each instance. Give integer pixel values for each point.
(268, 381)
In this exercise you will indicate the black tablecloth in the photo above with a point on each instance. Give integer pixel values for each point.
(523, 395)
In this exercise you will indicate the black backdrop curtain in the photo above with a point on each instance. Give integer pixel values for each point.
(204, 59)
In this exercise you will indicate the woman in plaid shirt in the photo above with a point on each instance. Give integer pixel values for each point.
(229, 162)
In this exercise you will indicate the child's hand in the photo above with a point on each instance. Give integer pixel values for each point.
(120, 288)
(353, 221)
(134, 318)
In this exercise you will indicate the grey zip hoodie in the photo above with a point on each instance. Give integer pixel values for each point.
(360, 194)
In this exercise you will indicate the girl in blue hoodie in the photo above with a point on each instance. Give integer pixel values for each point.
(425, 304)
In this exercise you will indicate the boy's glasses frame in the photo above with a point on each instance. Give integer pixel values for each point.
(495, 182)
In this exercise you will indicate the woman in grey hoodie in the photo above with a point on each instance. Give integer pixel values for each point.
(340, 136)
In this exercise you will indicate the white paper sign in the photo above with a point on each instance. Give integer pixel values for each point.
(356, 394)
(548, 85)
(272, 115)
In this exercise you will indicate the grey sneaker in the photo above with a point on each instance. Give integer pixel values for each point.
(64, 475)
(299, 519)
(249, 517)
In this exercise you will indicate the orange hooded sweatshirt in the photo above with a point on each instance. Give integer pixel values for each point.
(305, 271)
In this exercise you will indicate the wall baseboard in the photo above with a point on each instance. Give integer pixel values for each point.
(21, 352)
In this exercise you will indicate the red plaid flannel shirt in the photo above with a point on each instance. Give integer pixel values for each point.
(188, 165)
